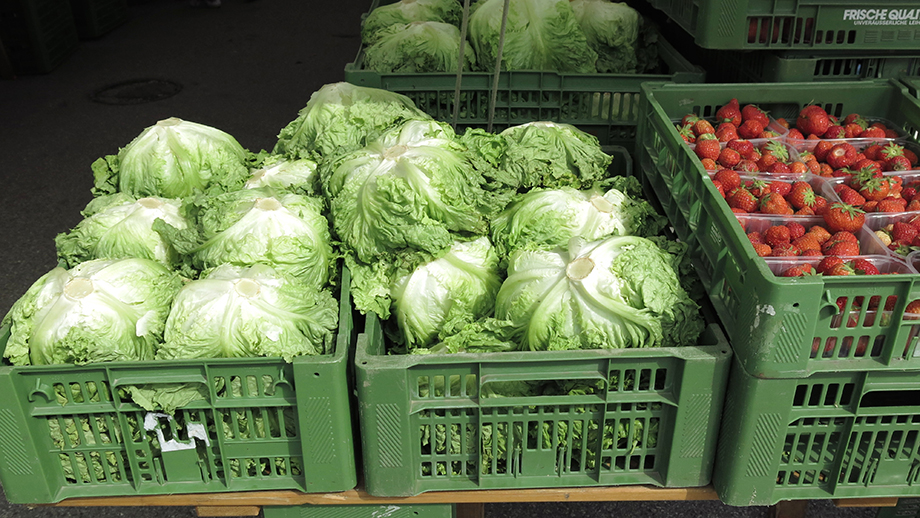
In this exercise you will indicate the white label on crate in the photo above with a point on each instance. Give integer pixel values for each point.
(386, 511)
(195, 431)
(768, 309)
(882, 16)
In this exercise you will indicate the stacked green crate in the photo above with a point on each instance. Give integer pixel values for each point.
(809, 414)
(759, 41)
(603, 105)
(69, 431)
(38, 35)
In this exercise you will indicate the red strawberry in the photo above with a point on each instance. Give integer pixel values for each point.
(841, 216)
(872, 151)
(777, 235)
(828, 263)
(730, 179)
(835, 132)
(891, 205)
(821, 150)
(750, 129)
(863, 267)
(772, 203)
(728, 158)
(744, 147)
(751, 112)
(796, 230)
(726, 134)
(801, 195)
(758, 187)
(747, 166)
(840, 155)
(852, 130)
(821, 205)
(820, 232)
(763, 249)
(742, 199)
(719, 187)
(784, 250)
(781, 188)
(779, 168)
(840, 248)
(689, 119)
(875, 189)
(708, 147)
(812, 120)
(755, 237)
(805, 243)
(840, 270)
(913, 307)
(872, 133)
(686, 133)
(795, 134)
(730, 112)
(849, 196)
(898, 163)
(903, 232)
(702, 127)
(798, 271)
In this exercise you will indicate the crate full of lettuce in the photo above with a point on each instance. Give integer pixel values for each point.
(526, 323)
(578, 62)
(193, 339)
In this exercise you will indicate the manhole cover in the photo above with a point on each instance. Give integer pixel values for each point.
(136, 91)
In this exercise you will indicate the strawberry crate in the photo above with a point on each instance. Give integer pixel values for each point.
(66, 431)
(772, 322)
(913, 84)
(430, 423)
(818, 24)
(847, 434)
(804, 66)
(604, 105)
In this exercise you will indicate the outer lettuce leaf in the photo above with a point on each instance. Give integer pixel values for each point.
(408, 11)
(442, 296)
(540, 35)
(549, 154)
(418, 47)
(278, 173)
(287, 231)
(235, 312)
(408, 189)
(120, 225)
(551, 218)
(101, 310)
(618, 292)
(340, 118)
(173, 159)
(611, 30)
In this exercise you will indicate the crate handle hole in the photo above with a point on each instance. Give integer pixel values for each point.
(795, 305)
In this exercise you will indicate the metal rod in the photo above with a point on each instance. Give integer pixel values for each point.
(460, 62)
(498, 65)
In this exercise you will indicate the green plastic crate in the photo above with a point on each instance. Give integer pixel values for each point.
(829, 435)
(798, 24)
(95, 18)
(906, 508)
(604, 105)
(777, 326)
(799, 67)
(913, 85)
(285, 426)
(361, 511)
(424, 426)
(38, 35)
